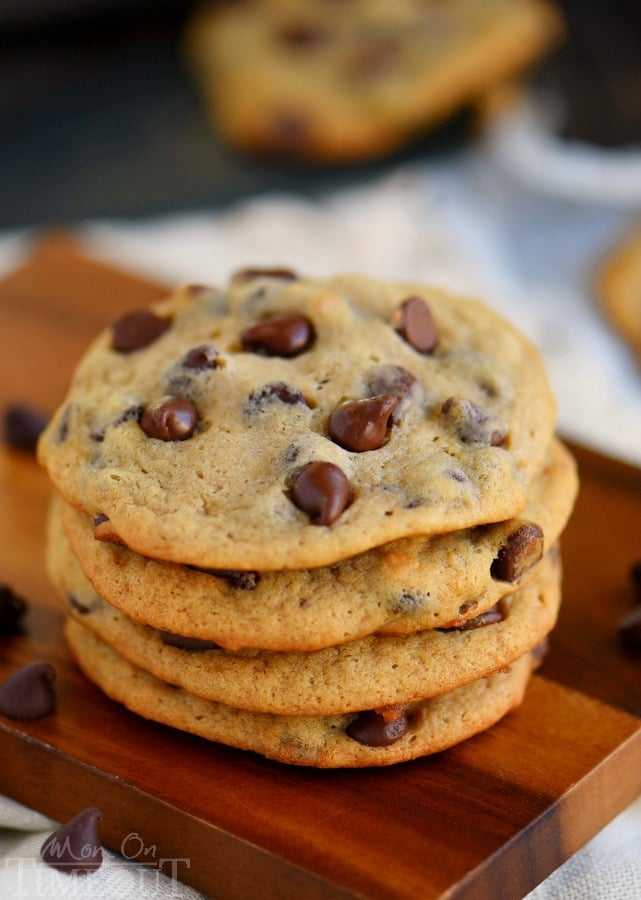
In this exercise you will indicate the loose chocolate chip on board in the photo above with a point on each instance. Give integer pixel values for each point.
(322, 491)
(75, 847)
(170, 419)
(137, 329)
(29, 692)
(629, 629)
(379, 728)
(361, 425)
(414, 321)
(191, 644)
(203, 357)
(522, 550)
(473, 424)
(285, 336)
(22, 425)
(12, 609)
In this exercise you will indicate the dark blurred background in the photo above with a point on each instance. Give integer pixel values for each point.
(99, 115)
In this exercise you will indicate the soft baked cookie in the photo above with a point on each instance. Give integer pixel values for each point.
(369, 672)
(347, 81)
(290, 423)
(408, 585)
(619, 289)
(367, 738)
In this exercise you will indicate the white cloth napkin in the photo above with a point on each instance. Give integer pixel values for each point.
(461, 224)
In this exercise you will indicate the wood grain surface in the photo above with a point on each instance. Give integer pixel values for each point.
(489, 818)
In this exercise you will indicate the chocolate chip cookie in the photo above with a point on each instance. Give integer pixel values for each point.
(370, 737)
(407, 585)
(346, 81)
(619, 289)
(370, 672)
(287, 423)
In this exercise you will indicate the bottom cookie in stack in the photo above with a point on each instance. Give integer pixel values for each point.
(370, 738)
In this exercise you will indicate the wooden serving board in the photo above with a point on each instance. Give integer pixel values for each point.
(489, 818)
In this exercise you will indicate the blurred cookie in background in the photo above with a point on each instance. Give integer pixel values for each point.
(619, 289)
(348, 81)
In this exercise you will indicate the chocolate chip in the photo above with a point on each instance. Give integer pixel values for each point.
(136, 330)
(414, 321)
(409, 602)
(250, 274)
(12, 609)
(472, 424)
(193, 645)
(388, 379)
(29, 692)
(170, 419)
(22, 425)
(203, 357)
(629, 628)
(522, 549)
(81, 608)
(279, 336)
(489, 617)
(361, 425)
(243, 581)
(321, 490)
(277, 391)
(103, 530)
(379, 727)
(301, 35)
(75, 847)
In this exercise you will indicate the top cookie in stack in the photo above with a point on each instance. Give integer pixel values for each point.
(321, 480)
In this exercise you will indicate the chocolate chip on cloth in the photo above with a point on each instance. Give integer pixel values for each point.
(197, 478)
(12, 610)
(75, 848)
(29, 692)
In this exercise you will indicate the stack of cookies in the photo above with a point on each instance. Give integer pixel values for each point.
(318, 520)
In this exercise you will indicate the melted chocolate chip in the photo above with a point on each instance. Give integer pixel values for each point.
(170, 419)
(472, 424)
(103, 530)
(136, 330)
(629, 628)
(75, 604)
(29, 692)
(22, 425)
(12, 609)
(193, 645)
(130, 413)
(414, 321)
(489, 617)
(277, 391)
(395, 380)
(75, 847)
(409, 602)
(244, 581)
(377, 728)
(521, 550)
(279, 336)
(361, 425)
(322, 491)
(250, 274)
(203, 357)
